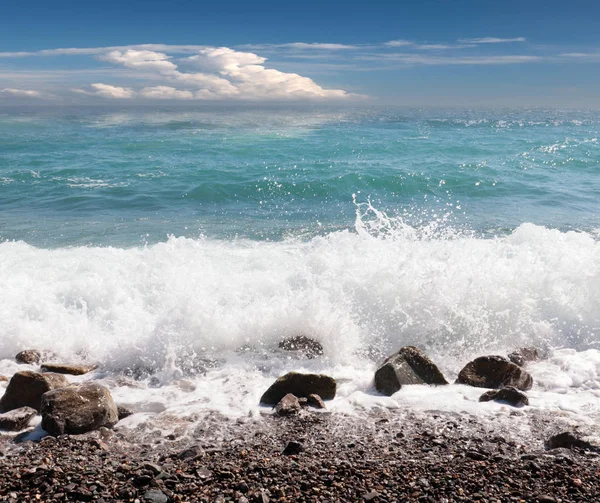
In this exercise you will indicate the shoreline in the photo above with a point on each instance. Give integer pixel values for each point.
(397, 455)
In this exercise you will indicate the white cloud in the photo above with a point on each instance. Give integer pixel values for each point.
(21, 93)
(141, 60)
(166, 93)
(108, 91)
(491, 40)
(399, 43)
(418, 59)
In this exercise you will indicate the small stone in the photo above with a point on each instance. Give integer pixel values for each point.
(371, 496)
(65, 368)
(124, 412)
(29, 357)
(304, 344)
(316, 401)
(156, 496)
(77, 410)
(300, 385)
(3, 378)
(544, 498)
(510, 395)
(287, 406)
(494, 372)
(25, 389)
(17, 419)
(293, 448)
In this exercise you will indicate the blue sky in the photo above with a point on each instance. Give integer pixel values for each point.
(527, 53)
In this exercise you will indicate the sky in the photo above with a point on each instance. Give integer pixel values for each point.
(429, 52)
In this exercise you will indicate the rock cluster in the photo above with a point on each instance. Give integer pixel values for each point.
(494, 372)
(25, 389)
(300, 385)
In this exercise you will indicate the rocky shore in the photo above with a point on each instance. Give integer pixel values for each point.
(295, 450)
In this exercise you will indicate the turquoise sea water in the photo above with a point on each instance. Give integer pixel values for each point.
(88, 176)
(154, 240)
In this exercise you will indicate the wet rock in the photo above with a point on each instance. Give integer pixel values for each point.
(569, 440)
(510, 395)
(316, 401)
(16, 419)
(303, 401)
(29, 356)
(25, 389)
(3, 378)
(65, 368)
(293, 448)
(304, 344)
(124, 412)
(408, 366)
(522, 356)
(494, 372)
(76, 410)
(287, 406)
(300, 385)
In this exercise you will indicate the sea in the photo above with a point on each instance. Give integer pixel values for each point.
(176, 248)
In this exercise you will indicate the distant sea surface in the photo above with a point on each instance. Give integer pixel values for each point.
(146, 238)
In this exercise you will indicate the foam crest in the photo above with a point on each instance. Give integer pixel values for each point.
(361, 294)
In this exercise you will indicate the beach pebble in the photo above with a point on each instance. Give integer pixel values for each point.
(316, 401)
(288, 406)
(29, 356)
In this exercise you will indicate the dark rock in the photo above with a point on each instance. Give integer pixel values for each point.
(303, 401)
(300, 385)
(287, 406)
(194, 452)
(544, 498)
(293, 448)
(156, 496)
(510, 395)
(66, 368)
(25, 389)
(16, 419)
(316, 401)
(76, 410)
(569, 440)
(494, 372)
(29, 356)
(408, 366)
(124, 412)
(523, 355)
(304, 344)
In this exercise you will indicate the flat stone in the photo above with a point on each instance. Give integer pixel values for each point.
(17, 419)
(494, 372)
(25, 389)
(407, 366)
(569, 440)
(77, 410)
(510, 395)
(66, 368)
(300, 385)
(156, 496)
(288, 406)
(29, 356)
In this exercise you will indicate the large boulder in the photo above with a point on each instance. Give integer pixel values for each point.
(523, 356)
(302, 344)
(300, 385)
(407, 366)
(76, 410)
(25, 389)
(16, 419)
(511, 396)
(494, 372)
(67, 368)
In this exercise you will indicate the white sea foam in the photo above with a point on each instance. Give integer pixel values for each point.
(225, 305)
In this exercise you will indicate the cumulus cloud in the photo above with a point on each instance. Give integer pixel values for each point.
(108, 91)
(21, 93)
(165, 93)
